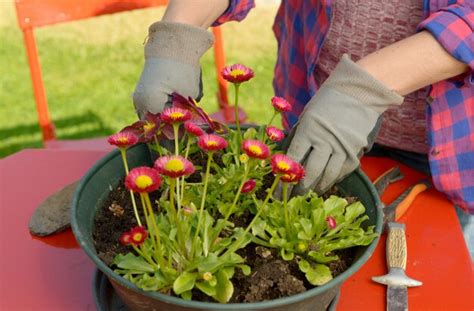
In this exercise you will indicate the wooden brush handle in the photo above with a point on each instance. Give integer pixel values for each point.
(396, 246)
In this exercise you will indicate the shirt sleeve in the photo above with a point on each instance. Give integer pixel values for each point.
(237, 11)
(453, 27)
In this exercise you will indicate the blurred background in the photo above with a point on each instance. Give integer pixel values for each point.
(90, 68)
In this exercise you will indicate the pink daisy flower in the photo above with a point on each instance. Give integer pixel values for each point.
(175, 115)
(331, 222)
(125, 239)
(296, 176)
(237, 73)
(274, 133)
(174, 166)
(282, 164)
(280, 104)
(143, 179)
(123, 139)
(193, 129)
(248, 186)
(138, 235)
(255, 149)
(211, 142)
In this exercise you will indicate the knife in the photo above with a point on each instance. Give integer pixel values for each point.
(396, 280)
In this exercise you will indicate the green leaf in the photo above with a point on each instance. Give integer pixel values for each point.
(318, 274)
(354, 210)
(207, 288)
(250, 133)
(187, 295)
(321, 258)
(286, 254)
(184, 282)
(246, 270)
(224, 287)
(334, 205)
(304, 265)
(132, 262)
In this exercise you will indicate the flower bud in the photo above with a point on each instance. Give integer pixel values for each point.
(207, 276)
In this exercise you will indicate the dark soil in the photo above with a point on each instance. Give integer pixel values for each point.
(271, 276)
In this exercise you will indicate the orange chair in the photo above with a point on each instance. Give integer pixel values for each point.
(37, 13)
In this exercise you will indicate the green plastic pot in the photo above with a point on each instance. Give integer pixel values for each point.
(107, 172)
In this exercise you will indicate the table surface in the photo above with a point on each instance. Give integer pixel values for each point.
(53, 273)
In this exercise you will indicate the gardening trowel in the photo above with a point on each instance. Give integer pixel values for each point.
(53, 214)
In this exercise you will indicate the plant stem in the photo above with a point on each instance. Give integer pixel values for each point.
(186, 154)
(273, 117)
(236, 110)
(269, 195)
(176, 153)
(232, 207)
(285, 207)
(203, 200)
(157, 145)
(145, 255)
(155, 227)
(134, 204)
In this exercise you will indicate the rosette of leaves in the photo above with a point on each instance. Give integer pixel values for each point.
(310, 239)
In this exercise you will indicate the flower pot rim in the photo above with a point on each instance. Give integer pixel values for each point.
(215, 305)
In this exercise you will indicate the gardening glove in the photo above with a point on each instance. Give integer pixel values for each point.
(338, 125)
(172, 55)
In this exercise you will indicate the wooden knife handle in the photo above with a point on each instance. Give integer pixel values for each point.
(396, 246)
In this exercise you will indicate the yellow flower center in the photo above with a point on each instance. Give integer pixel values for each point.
(176, 115)
(122, 140)
(282, 165)
(237, 72)
(211, 143)
(174, 165)
(255, 149)
(143, 181)
(137, 237)
(148, 126)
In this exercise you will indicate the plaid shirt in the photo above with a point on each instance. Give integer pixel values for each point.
(301, 27)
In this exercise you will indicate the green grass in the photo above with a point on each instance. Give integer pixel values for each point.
(90, 69)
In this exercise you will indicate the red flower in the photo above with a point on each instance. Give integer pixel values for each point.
(143, 179)
(255, 149)
(280, 104)
(237, 73)
(174, 166)
(248, 186)
(274, 133)
(125, 239)
(199, 116)
(193, 129)
(294, 176)
(175, 115)
(331, 222)
(282, 164)
(138, 235)
(211, 142)
(123, 139)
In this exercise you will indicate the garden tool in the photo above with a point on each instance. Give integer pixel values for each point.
(53, 214)
(396, 250)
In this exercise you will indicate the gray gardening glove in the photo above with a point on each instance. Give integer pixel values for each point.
(338, 125)
(172, 55)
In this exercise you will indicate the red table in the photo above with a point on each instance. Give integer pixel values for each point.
(54, 274)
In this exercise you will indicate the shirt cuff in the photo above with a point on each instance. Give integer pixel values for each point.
(452, 27)
(237, 11)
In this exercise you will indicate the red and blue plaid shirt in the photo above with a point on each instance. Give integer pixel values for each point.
(301, 27)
